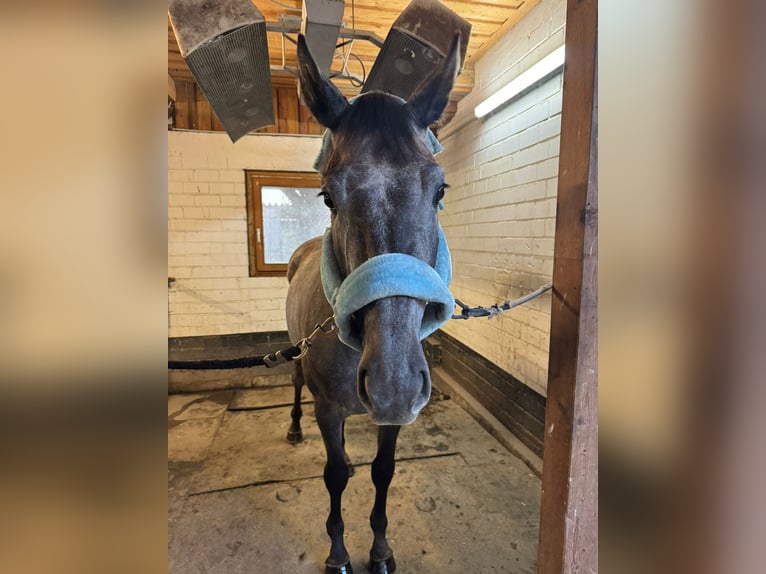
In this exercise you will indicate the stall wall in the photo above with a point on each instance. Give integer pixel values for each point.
(213, 293)
(500, 209)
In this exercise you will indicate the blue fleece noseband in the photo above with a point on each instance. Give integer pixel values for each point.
(388, 275)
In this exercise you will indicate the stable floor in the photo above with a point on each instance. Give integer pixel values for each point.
(242, 499)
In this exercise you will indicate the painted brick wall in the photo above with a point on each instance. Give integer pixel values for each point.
(207, 231)
(499, 215)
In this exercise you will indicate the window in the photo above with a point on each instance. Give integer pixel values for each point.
(283, 211)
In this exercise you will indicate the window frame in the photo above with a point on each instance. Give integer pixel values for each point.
(254, 181)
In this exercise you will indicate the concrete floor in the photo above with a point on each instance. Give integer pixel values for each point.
(241, 499)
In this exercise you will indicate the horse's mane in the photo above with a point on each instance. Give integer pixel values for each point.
(380, 122)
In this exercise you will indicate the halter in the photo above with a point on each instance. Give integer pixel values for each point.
(387, 275)
(384, 276)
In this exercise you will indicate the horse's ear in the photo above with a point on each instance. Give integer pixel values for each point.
(318, 93)
(429, 101)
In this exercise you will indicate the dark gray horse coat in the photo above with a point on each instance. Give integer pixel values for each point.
(382, 185)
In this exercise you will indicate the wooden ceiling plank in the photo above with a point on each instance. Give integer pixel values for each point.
(490, 19)
(516, 17)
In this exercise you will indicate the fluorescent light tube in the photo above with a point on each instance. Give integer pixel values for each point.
(553, 62)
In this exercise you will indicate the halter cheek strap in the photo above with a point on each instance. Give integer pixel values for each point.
(388, 275)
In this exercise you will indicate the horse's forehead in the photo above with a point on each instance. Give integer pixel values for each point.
(383, 146)
(380, 174)
(379, 128)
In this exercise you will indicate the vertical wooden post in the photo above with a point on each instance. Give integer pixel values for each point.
(569, 506)
(191, 102)
(204, 111)
(287, 110)
(182, 105)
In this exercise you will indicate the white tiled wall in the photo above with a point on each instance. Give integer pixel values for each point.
(207, 231)
(499, 215)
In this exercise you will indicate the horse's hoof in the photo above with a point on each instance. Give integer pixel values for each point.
(340, 569)
(385, 566)
(294, 437)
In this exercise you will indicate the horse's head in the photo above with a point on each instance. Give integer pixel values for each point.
(382, 185)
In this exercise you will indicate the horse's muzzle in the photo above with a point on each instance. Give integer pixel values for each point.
(390, 400)
(393, 380)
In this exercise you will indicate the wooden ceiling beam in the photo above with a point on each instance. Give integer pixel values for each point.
(490, 19)
(514, 18)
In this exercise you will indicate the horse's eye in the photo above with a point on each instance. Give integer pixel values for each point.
(440, 193)
(327, 201)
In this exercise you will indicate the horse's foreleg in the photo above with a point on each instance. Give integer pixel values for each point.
(381, 555)
(336, 475)
(345, 455)
(294, 433)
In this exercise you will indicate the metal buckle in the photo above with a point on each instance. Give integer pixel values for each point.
(304, 345)
(273, 360)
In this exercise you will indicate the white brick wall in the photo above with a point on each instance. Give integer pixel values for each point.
(499, 215)
(207, 231)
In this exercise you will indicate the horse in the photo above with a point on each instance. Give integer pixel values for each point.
(383, 188)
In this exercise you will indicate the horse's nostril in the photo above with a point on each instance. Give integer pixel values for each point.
(425, 393)
(355, 326)
(362, 389)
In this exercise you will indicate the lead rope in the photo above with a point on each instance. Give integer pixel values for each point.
(270, 360)
(495, 310)
(328, 326)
